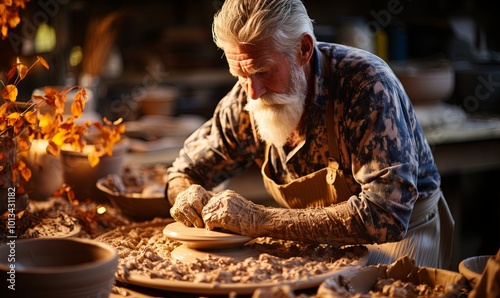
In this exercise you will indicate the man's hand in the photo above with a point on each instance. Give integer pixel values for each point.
(188, 206)
(229, 211)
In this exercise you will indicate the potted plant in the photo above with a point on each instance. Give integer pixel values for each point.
(43, 118)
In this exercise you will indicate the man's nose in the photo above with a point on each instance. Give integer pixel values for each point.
(255, 88)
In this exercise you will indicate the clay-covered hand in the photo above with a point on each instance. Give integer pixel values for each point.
(189, 204)
(229, 211)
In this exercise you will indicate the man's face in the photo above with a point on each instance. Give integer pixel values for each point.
(276, 88)
(259, 69)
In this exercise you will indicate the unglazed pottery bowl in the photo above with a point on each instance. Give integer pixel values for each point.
(57, 267)
(472, 268)
(398, 276)
(135, 205)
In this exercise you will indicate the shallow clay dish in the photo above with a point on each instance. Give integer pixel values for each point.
(57, 267)
(185, 254)
(200, 238)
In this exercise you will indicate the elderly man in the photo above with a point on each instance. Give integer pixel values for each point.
(334, 133)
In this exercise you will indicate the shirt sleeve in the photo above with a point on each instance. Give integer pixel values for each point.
(385, 148)
(222, 147)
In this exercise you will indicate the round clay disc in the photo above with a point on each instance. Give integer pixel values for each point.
(186, 254)
(201, 238)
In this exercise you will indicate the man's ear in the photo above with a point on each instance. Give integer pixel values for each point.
(306, 49)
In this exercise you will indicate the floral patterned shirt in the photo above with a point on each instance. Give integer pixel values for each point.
(384, 154)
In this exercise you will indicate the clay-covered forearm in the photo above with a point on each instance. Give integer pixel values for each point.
(337, 225)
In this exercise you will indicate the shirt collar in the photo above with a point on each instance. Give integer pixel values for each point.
(321, 72)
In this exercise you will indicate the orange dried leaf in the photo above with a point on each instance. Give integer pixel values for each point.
(93, 159)
(26, 173)
(23, 144)
(12, 72)
(12, 118)
(53, 149)
(78, 105)
(59, 138)
(4, 108)
(121, 129)
(43, 61)
(23, 71)
(45, 120)
(15, 174)
(30, 116)
(9, 93)
(71, 195)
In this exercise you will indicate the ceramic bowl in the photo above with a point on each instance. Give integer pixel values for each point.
(159, 101)
(57, 267)
(473, 267)
(426, 82)
(135, 205)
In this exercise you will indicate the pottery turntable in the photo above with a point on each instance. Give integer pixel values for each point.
(200, 243)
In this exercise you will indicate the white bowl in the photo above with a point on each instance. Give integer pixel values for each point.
(426, 81)
(57, 267)
(472, 268)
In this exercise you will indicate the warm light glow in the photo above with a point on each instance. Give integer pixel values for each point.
(38, 150)
(75, 56)
(45, 38)
(101, 209)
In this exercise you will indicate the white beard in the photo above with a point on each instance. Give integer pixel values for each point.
(277, 115)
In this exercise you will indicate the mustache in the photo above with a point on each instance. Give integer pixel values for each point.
(271, 99)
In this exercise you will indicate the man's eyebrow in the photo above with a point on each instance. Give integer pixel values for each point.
(251, 70)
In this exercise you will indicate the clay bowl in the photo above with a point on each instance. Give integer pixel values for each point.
(135, 205)
(57, 267)
(472, 268)
(159, 101)
(426, 82)
(361, 280)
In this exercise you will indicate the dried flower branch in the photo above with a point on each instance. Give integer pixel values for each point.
(23, 122)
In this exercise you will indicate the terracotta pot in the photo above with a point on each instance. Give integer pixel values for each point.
(82, 178)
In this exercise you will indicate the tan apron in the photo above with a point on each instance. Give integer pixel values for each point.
(430, 233)
(321, 188)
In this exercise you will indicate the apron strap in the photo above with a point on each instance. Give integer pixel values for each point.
(333, 144)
